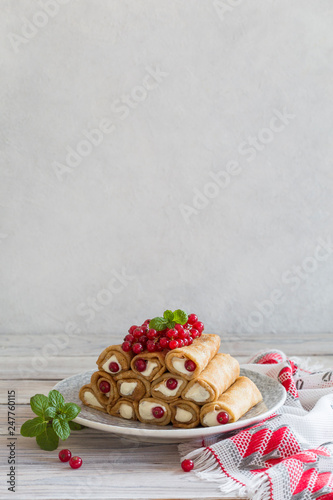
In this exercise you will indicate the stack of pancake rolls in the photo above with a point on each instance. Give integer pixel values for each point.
(187, 386)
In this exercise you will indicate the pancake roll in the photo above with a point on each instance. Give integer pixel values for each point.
(191, 360)
(153, 411)
(168, 387)
(124, 408)
(149, 365)
(114, 360)
(185, 414)
(104, 387)
(88, 398)
(220, 374)
(132, 386)
(233, 403)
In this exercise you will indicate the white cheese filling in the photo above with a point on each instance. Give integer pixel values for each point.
(126, 411)
(183, 415)
(113, 359)
(145, 410)
(165, 390)
(150, 366)
(127, 388)
(197, 393)
(210, 419)
(179, 365)
(91, 399)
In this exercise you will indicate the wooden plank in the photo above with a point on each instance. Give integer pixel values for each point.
(112, 468)
(61, 344)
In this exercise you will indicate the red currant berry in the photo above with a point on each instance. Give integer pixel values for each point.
(75, 462)
(190, 340)
(137, 348)
(144, 328)
(193, 318)
(137, 332)
(199, 326)
(126, 346)
(194, 333)
(171, 383)
(185, 342)
(173, 344)
(158, 412)
(180, 342)
(147, 321)
(104, 387)
(187, 465)
(141, 364)
(114, 367)
(64, 455)
(164, 342)
(183, 334)
(132, 328)
(158, 347)
(179, 328)
(172, 333)
(151, 334)
(143, 340)
(190, 366)
(129, 338)
(151, 346)
(222, 417)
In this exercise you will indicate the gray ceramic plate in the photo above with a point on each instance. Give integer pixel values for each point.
(273, 394)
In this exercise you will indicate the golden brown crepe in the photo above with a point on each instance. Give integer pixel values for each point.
(155, 365)
(160, 390)
(236, 401)
(144, 409)
(132, 386)
(185, 414)
(115, 354)
(220, 373)
(123, 408)
(88, 398)
(200, 352)
(104, 398)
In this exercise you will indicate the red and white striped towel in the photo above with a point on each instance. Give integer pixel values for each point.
(286, 456)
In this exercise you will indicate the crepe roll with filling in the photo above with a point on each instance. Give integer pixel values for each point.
(105, 387)
(132, 386)
(185, 414)
(232, 404)
(153, 411)
(114, 360)
(88, 398)
(124, 408)
(149, 365)
(221, 372)
(191, 360)
(168, 387)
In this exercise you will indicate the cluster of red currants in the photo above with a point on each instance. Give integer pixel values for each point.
(140, 338)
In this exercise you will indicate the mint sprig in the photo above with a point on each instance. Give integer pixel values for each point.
(169, 320)
(53, 421)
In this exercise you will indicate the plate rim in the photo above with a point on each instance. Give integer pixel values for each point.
(174, 432)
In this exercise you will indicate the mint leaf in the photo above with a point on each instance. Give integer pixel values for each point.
(61, 428)
(56, 399)
(158, 324)
(168, 315)
(71, 410)
(180, 317)
(50, 413)
(48, 440)
(38, 404)
(75, 426)
(33, 427)
(171, 324)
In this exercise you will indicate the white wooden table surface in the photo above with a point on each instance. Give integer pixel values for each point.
(112, 467)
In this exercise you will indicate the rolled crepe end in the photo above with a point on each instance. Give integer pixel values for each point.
(88, 398)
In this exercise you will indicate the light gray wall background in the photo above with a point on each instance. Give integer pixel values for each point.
(208, 187)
